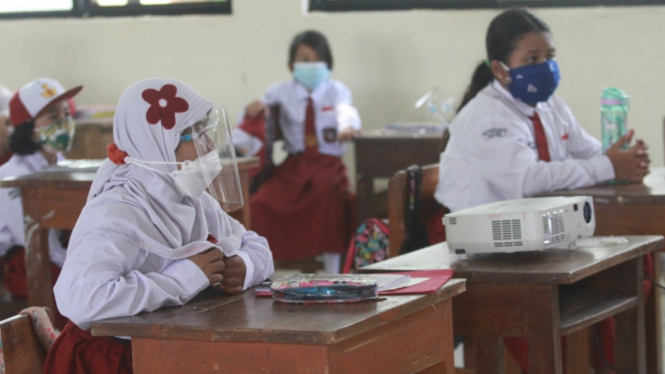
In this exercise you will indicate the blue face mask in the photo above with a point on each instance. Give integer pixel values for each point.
(534, 83)
(311, 74)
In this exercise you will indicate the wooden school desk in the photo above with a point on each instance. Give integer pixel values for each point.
(542, 296)
(54, 200)
(634, 209)
(380, 154)
(243, 334)
(92, 137)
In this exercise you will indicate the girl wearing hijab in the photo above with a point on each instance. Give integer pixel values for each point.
(152, 232)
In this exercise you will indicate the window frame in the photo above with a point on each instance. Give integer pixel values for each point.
(84, 8)
(386, 5)
(131, 10)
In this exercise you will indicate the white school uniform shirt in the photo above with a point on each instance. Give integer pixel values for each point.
(12, 228)
(492, 154)
(333, 113)
(107, 276)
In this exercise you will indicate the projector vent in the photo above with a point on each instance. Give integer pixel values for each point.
(452, 221)
(553, 227)
(507, 233)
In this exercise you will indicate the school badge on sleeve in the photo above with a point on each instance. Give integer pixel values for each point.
(330, 135)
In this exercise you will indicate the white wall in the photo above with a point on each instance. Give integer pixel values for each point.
(388, 59)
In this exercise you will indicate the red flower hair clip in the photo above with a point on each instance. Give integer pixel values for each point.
(164, 105)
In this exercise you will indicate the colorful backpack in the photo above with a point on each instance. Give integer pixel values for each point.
(368, 245)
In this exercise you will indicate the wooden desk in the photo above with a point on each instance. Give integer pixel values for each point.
(543, 296)
(54, 200)
(634, 209)
(380, 154)
(91, 138)
(244, 334)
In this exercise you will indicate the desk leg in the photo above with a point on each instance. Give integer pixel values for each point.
(543, 332)
(446, 325)
(576, 359)
(489, 355)
(653, 324)
(629, 344)
(38, 267)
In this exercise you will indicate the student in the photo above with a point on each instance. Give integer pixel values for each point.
(43, 129)
(513, 138)
(304, 207)
(5, 153)
(150, 234)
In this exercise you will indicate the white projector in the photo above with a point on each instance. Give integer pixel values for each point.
(520, 225)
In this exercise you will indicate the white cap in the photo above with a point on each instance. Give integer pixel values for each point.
(31, 99)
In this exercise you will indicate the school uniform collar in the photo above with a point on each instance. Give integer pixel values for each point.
(525, 109)
(302, 94)
(35, 161)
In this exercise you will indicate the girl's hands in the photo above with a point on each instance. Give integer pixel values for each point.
(631, 164)
(211, 263)
(347, 134)
(255, 109)
(233, 275)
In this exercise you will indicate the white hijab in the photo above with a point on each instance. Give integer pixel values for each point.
(141, 205)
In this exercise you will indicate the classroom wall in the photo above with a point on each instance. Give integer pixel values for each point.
(388, 59)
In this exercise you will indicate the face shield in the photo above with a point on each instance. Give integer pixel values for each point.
(215, 163)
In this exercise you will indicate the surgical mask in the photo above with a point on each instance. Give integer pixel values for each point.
(534, 83)
(58, 136)
(311, 74)
(193, 177)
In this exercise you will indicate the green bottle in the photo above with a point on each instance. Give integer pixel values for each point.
(613, 116)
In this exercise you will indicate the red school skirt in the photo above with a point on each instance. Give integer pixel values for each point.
(77, 352)
(304, 208)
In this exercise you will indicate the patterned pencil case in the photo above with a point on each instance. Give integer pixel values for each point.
(324, 289)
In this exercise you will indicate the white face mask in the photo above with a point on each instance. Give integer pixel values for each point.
(193, 177)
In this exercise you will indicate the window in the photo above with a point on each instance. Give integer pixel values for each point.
(353, 5)
(139, 7)
(35, 8)
(86, 8)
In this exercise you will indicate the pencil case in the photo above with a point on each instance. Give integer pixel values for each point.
(324, 290)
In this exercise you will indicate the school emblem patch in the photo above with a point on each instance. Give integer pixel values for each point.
(495, 133)
(330, 135)
(47, 91)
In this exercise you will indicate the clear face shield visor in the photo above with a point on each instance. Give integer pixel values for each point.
(216, 161)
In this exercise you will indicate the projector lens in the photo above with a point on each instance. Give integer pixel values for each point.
(587, 212)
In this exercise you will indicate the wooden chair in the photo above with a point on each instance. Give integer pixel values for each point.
(23, 352)
(397, 200)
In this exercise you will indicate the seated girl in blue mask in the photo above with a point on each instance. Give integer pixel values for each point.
(514, 138)
(304, 207)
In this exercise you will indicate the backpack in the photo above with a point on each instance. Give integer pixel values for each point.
(368, 245)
